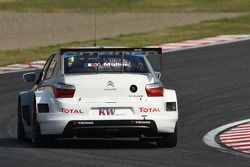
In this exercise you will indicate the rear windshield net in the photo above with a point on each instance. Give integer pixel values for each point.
(131, 63)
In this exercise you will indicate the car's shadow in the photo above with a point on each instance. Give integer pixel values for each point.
(76, 144)
(14, 143)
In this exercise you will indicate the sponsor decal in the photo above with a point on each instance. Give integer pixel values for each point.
(71, 111)
(142, 122)
(90, 64)
(136, 96)
(146, 109)
(85, 123)
(108, 64)
(117, 64)
(131, 52)
(72, 59)
(107, 111)
(139, 122)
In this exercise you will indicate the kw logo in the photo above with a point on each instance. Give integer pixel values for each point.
(110, 83)
(107, 111)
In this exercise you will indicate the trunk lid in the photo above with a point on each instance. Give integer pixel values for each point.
(109, 88)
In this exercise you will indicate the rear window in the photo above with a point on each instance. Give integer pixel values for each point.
(96, 63)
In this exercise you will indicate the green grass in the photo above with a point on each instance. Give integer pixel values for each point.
(125, 5)
(238, 25)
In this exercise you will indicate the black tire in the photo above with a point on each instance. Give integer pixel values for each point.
(38, 140)
(168, 140)
(20, 127)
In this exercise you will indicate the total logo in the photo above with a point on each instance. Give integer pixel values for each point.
(71, 111)
(144, 109)
(107, 111)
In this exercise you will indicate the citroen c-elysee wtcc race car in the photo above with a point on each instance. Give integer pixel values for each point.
(98, 92)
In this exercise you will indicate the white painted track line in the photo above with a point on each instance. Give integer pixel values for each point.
(234, 134)
(239, 144)
(236, 131)
(235, 137)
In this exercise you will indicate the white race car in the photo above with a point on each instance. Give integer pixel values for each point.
(98, 92)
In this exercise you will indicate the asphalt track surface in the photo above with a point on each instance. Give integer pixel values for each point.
(213, 88)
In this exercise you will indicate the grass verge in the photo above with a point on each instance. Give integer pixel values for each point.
(125, 5)
(239, 25)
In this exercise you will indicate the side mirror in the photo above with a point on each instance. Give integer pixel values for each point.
(158, 74)
(29, 77)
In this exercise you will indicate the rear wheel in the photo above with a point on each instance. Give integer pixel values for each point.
(168, 140)
(36, 135)
(38, 140)
(20, 127)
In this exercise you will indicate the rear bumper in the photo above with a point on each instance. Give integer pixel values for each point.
(69, 126)
(114, 128)
(63, 111)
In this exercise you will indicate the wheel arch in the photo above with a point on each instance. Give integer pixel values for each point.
(25, 102)
(26, 98)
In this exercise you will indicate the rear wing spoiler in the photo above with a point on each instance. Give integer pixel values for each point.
(117, 50)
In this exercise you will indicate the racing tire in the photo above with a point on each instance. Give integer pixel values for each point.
(38, 140)
(36, 135)
(168, 140)
(20, 127)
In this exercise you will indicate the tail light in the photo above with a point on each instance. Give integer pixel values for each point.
(63, 91)
(154, 90)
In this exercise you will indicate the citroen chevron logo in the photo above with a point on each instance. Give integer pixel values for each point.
(110, 83)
